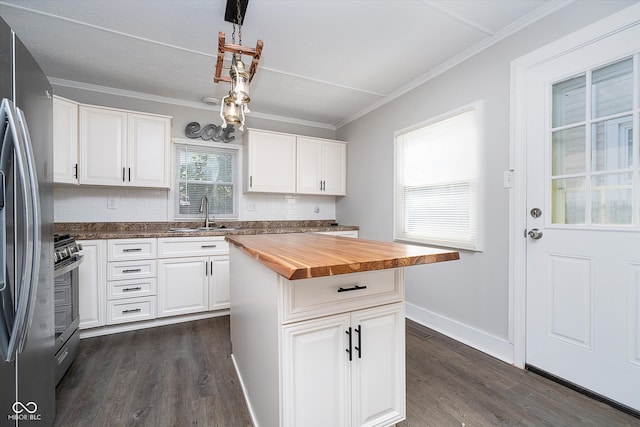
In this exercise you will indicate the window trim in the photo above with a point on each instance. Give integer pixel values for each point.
(171, 208)
(398, 200)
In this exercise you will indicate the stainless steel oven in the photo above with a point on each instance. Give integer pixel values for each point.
(66, 300)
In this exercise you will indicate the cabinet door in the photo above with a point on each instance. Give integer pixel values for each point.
(182, 286)
(316, 384)
(334, 168)
(103, 138)
(378, 374)
(271, 161)
(321, 167)
(149, 151)
(219, 296)
(65, 141)
(309, 167)
(92, 282)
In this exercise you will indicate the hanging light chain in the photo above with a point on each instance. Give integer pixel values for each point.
(239, 20)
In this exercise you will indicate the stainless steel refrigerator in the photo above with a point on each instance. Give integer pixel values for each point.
(27, 383)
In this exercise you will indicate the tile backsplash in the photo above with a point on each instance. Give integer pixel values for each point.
(110, 204)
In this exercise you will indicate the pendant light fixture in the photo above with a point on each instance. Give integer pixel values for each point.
(235, 105)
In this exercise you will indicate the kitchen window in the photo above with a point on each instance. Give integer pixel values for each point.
(205, 170)
(437, 180)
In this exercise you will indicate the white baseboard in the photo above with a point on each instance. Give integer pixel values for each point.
(133, 326)
(486, 343)
(244, 391)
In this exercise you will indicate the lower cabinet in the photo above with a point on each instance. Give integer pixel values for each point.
(322, 351)
(183, 286)
(131, 280)
(346, 369)
(192, 285)
(193, 275)
(92, 278)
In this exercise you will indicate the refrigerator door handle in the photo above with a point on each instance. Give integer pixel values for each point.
(34, 224)
(13, 139)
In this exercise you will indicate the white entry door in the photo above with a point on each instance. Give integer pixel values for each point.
(583, 217)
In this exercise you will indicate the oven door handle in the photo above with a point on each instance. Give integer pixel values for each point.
(77, 260)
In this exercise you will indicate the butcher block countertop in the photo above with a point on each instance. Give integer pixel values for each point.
(302, 256)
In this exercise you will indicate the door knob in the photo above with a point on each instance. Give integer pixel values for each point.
(535, 234)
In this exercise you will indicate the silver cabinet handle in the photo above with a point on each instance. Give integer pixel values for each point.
(133, 310)
(132, 250)
(209, 246)
(137, 288)
(132, 270)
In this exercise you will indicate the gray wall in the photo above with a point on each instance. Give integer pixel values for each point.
(468, 299)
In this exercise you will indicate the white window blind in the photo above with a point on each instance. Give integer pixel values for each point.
(437, 166)
(200, 171)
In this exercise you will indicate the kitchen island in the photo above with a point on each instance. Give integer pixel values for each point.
(317, 327)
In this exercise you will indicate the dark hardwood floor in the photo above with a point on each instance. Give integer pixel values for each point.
(182, 374)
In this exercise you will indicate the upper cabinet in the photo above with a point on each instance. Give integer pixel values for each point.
(149, 150)
(270, 160)
(65, 141)
(321, 166)
(106, 146)
(123, 148)
(284, 163)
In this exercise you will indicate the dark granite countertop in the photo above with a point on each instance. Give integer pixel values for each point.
(131, 230)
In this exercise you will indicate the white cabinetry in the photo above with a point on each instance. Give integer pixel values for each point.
(65, 141)
(321, 166)
(284, 163)
(123, 148)
(93, 281)
(131, 280)
(193, 275)
(325, 351)
(363, 387)
(270, 160)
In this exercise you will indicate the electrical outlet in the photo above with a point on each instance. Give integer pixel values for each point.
(316, 209)
(112, 203)
(251, 207)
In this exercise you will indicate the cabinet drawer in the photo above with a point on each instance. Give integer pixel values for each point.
(129, 249)
(192, 246)
(322, 296)
(131, 288)
(131, 310)
(131, 269)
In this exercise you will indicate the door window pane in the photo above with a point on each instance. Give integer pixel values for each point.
(612, 89)
(612, 146)
(568, 151)
(569, 101)
(611, 199)
(568, 201)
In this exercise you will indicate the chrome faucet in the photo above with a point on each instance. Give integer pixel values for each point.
(204, 207)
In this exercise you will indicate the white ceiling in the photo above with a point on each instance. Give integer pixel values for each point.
(325, 62)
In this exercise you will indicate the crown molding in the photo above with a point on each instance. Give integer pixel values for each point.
(536, 15)
(176, 101)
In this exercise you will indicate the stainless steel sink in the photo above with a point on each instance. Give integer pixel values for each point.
(193, 230)
(216, 228)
